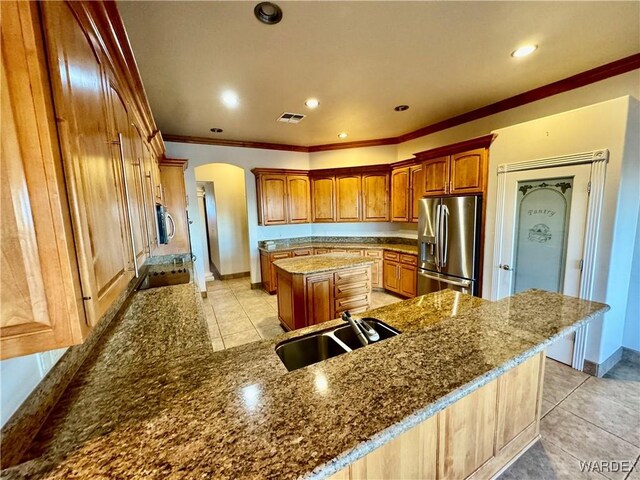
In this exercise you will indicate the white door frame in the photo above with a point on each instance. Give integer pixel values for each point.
(598, 160)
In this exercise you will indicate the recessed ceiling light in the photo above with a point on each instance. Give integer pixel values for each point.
(524, 51)
(217, 130)
(230, 99)
(401, 108)
(312, 102)
(342, 135)
(268, 13)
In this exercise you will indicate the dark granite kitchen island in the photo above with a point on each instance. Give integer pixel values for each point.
(155, 401)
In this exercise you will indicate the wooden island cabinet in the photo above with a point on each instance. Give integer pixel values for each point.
(476, 437)
(307, 297)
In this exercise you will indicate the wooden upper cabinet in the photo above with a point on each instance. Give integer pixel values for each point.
(467, 172)
(92, 170)
(298, 199)
(273, 199)
(436, 176)
(284, 196)
(41, 301)
(323, 199)
(399, 195)
(172, 174)
(348, 188)
(375, 197)
(416, 182)
(125, 140)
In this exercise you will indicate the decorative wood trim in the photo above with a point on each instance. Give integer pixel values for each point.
(484, 141)
(587, 77)
(173, 162)
(278, 171)
(404, 163)
(235, 143)
(356, 144)
(582, 79)
(598, 160)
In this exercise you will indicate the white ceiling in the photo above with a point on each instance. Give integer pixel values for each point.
(360, 59)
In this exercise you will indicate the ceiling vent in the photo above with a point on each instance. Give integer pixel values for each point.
(287, 117)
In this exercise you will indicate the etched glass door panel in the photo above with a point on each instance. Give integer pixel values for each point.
(542, 221)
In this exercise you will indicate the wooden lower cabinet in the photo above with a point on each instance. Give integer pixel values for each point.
(376, 268)
(476, 437)
(305, 300)
(400, 273)
(268, 270)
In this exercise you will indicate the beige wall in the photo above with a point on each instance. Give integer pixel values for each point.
(231, 254)
(614, 87)
(353, 157)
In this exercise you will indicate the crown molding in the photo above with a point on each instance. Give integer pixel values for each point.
(582, 79)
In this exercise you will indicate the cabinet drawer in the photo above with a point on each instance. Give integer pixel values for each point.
(352, 289)
(352, 311)
(373, 253)
(338, 250)
(392, 256)
(354, 251)
(352, 303)
(302, 252)
(409, 259)
(352, 276)
(320, 251)
(278, 256)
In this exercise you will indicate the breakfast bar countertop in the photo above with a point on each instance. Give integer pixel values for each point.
(321, 263)
(155, 401)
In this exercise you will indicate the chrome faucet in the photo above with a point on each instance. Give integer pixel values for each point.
(363, 331)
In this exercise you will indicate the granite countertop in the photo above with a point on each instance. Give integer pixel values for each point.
(321, 263)
(394, 247)
(155, 401)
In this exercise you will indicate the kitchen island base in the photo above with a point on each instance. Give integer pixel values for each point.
(476, 437)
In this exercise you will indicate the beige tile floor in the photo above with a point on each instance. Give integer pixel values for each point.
(585, 419)
(237, 315)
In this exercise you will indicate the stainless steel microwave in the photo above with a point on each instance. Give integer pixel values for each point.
(166, 225)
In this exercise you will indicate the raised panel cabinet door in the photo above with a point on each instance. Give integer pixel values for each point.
(319, 299)
(93, 173)
(416, 181)
(273, 199)
(411, 455)
(323, 199)
(149, 195)
(408, 280)
(467, 171)
(348, 188)
(265, 272)
(375, 197)
(172, 175)
(518, 399)
(40, 305)
(124, 139)
(390, 276)
(299, 199)
(399, 195)
(466, 432)
(436, 176)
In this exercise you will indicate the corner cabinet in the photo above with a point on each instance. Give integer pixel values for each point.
(407, 184)
(77, 135)
(284, 196)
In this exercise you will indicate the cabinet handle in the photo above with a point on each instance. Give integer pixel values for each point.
(128, 203)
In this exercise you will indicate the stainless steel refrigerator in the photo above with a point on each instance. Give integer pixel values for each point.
(448, 242)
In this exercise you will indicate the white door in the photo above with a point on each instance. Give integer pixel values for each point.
(543, 235)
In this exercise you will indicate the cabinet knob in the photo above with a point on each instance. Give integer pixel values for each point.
(506, 267)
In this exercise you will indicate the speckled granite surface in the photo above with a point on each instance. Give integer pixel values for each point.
(156, 402)
(321, 263)
(401, 245)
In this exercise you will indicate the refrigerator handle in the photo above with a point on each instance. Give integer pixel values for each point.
(445, 233)
(437, 232)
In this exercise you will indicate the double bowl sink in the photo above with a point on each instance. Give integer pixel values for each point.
(313, 348)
